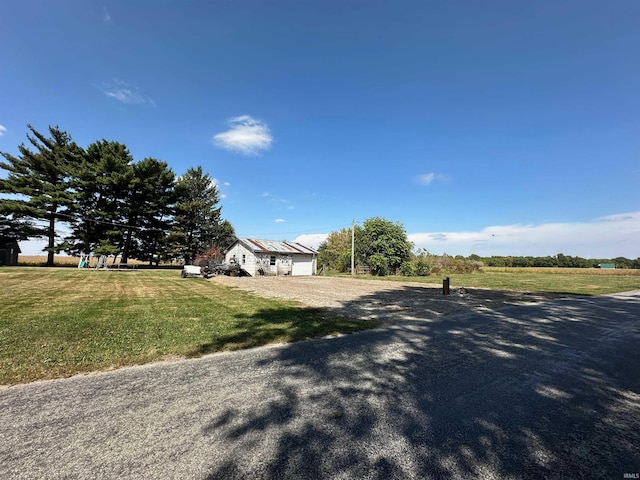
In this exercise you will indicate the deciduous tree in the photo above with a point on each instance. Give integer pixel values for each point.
(335, 251)
(383, 245)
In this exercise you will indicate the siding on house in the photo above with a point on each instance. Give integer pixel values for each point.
(268, 257)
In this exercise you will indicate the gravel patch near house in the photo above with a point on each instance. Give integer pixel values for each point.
(380, 300)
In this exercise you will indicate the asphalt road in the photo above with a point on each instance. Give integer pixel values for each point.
(547, 390)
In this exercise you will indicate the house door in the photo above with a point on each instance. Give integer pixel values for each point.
(273, 268)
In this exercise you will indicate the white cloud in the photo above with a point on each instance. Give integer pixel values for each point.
(246, 136)
(2, 130)
(280, 220)
(426, 178)
(125, 93)
(106, 17)
(312, 240)
(607, 237)
(278, 201)
(226, 184)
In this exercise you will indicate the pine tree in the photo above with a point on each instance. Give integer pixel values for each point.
(149, 209)
(40, 179)
(99, 188)
(15, 227)
(197, 215)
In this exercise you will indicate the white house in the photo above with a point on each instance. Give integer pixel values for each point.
(268, 257)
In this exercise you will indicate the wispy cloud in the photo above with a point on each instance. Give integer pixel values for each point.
(427, 179)
(606, 237)
(106, 16)
(2, 130)
(280, 220)
(275, 200)
(246, 136)
(220, 185)
(125, 93)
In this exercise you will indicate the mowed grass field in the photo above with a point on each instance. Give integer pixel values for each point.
(56, 322)
(571, 281)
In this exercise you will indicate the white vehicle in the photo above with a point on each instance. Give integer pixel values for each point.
(195, 271)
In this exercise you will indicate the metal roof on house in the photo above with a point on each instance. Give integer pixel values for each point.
(272, 246)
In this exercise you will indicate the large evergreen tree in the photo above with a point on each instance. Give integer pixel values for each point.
(197, 215)
(15, 227)
(99, 186)
(151, 206)
(40, 179)
(224, 234)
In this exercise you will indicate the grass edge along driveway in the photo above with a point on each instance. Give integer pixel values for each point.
(59, 322)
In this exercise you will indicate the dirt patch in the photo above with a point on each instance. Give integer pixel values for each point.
(380, 300)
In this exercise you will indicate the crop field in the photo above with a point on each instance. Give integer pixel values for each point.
(616, 272)
(57, 322)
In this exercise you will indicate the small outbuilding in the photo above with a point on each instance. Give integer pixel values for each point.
(268, 257)
(9, 250)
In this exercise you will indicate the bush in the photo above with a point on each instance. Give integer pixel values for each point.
(379, 265)
(415, 268)
(408, 269)
(422, 268)
(425, 263)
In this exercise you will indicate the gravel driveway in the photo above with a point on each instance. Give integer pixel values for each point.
(385, 301)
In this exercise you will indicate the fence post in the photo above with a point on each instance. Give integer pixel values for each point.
(445, 286)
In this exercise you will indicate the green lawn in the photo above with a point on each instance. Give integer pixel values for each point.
(552, 282)
(56, 322)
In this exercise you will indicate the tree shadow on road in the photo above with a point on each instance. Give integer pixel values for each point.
(545, 390)
(281, 325)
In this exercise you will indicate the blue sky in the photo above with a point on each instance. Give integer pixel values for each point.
(496, 128)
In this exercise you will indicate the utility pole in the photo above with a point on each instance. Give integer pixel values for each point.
(353, 250)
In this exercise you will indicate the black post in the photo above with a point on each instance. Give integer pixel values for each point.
(445, 286)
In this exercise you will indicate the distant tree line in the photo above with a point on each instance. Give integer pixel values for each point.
(559, 260)
(110, 203)
(382, 248)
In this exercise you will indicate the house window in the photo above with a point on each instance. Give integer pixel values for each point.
(244, 259)
(272, 260)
